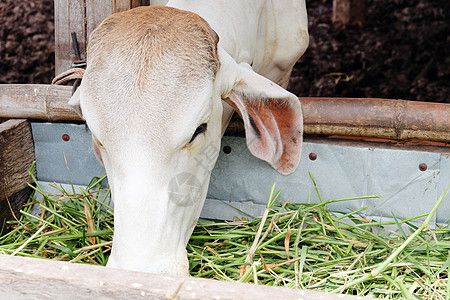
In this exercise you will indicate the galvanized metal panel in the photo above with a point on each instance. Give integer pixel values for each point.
(407, 191)
(443, 214)
(71, 161)
(340, 172)
(242, 181)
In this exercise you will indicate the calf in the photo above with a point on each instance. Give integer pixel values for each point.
(160, 87)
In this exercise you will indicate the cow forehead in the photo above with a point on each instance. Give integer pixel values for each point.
(151, 51)
(146, 38)
(151, 64)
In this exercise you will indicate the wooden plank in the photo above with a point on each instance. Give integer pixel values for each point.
(121, 5)
(16, 157)
(349, 12)
(136, 3)
(81, 17)
(36, 101)
(69, 17)
(96, 12)
(61, 33)
(11, 206)
(28, 278)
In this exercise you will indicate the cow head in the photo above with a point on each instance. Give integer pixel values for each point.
(153, 96)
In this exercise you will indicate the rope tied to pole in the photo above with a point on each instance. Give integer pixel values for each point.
(75, 74)
(71, 74)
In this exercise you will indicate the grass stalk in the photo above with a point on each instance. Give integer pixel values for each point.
(355, 255)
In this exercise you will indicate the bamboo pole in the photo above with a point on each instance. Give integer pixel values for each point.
(36, 101)
(378, 118)
(363, 117)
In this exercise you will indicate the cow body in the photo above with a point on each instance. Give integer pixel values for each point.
(160, 87)
(269, 36)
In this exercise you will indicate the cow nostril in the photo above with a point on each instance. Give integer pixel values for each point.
(227, 149)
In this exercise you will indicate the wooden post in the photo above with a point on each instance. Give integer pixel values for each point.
(81, 17)
(351, 12)
(16, 157)
(69, 17)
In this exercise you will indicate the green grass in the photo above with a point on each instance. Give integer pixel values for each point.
(293, 245)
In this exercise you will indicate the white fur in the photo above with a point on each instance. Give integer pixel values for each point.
(143, 136)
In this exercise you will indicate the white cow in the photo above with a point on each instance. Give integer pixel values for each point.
(160, 87)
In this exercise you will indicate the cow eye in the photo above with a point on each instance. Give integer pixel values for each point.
(200, 129)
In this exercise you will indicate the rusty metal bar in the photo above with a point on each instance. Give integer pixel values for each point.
(378, 118)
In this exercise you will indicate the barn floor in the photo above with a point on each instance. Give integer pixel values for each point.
(401, 52)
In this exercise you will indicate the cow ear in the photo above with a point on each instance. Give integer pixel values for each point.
(74, 102)
(272, 118)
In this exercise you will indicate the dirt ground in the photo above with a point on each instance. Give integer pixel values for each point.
(401, 52)
(27, 41)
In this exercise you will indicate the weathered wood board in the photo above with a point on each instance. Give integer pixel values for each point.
(36, 101)
(351, 12)
(27, 278)
(81, 17)
(16, 157)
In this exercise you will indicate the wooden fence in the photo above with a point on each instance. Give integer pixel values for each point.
(81, 17)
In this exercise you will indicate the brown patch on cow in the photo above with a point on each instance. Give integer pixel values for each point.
(145, 39)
